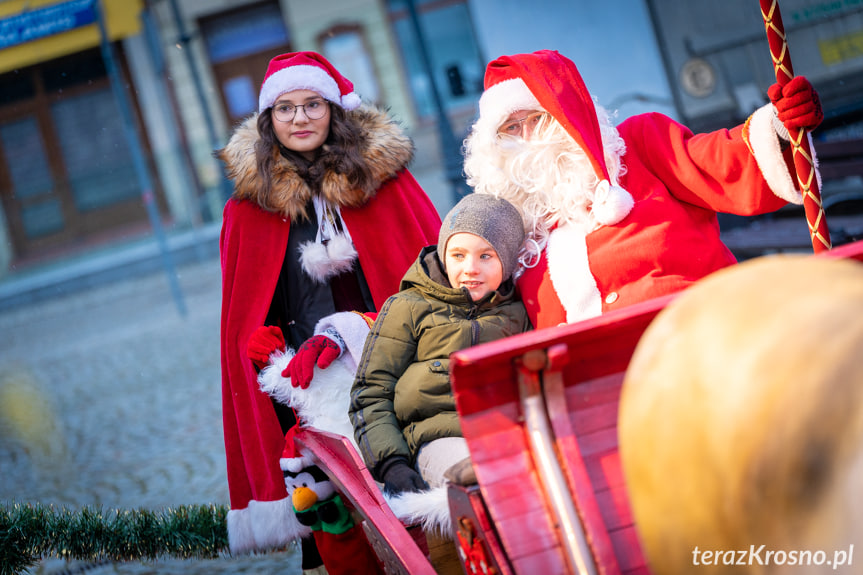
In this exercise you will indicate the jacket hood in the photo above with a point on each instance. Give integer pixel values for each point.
(427, 275)
(386, 150)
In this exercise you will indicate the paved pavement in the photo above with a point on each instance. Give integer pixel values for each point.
(110, 397)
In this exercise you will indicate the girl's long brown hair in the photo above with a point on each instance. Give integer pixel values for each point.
(340, 153)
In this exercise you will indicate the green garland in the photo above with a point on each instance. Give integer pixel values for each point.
(31, 531)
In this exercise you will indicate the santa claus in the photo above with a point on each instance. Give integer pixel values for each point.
(621, 214)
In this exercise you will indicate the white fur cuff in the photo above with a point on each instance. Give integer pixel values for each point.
(263, 525)
(764, 142)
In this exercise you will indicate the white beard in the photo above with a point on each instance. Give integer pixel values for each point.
(552, 183)
(549, 178)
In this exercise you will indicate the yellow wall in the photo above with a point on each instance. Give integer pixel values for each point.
(121, 17)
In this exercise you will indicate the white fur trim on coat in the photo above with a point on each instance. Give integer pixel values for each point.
(764, 142)
(263, 525)
(569, 269)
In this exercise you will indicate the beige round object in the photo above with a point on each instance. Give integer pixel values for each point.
(741, 421)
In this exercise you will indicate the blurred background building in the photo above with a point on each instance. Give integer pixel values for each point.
(110, 110)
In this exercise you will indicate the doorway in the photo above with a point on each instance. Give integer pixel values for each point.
(66, 171)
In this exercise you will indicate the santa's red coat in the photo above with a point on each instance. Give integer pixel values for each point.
(670, 239)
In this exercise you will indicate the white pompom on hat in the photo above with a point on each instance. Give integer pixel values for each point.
(292, 459)
(306, 71)
(548, 81)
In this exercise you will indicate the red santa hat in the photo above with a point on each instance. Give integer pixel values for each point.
(306, 71)
(549, 81)
(292, 459)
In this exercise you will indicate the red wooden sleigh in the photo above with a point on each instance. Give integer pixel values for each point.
(539, 412)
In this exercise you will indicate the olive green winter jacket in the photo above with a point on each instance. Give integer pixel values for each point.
(401, 397)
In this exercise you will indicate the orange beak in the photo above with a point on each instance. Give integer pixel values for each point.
(303, 498)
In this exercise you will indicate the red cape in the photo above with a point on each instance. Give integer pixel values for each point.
(388, 234)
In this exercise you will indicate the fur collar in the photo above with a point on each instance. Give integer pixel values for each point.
(387, 150)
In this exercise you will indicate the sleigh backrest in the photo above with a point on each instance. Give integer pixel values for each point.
(580, 370)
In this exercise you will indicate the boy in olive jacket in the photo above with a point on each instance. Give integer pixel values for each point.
(457, 294)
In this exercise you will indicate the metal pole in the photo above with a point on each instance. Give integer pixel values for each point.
(449, 145)
(184, 39)
(194, 191)
(177, 135)
(141, 171)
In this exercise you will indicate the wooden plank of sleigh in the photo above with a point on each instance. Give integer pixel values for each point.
(576, 371)
(398, 551)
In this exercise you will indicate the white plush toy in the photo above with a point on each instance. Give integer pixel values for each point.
(324, 405)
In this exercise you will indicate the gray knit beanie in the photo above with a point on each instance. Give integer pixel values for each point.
(493, 219)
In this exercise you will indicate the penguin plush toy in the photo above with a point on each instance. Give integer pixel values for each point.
(341, 541)
(316, 503)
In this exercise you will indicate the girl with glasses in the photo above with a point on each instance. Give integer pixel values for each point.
(320, 189)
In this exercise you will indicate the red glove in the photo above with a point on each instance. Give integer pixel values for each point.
(318, 349)
(797, 104)
(264, 341)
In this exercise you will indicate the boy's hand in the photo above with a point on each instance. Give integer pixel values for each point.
(318, 349)
(264, 341)
(400, 477)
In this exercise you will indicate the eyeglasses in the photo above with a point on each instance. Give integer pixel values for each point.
(515, 127)
(314, 110)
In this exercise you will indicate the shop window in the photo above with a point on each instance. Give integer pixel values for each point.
(16, 86)
(451, 46)
(98, 171)
(345, 47)
(238, 34)
(32, 183)
(81, 68)
(66, 166)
